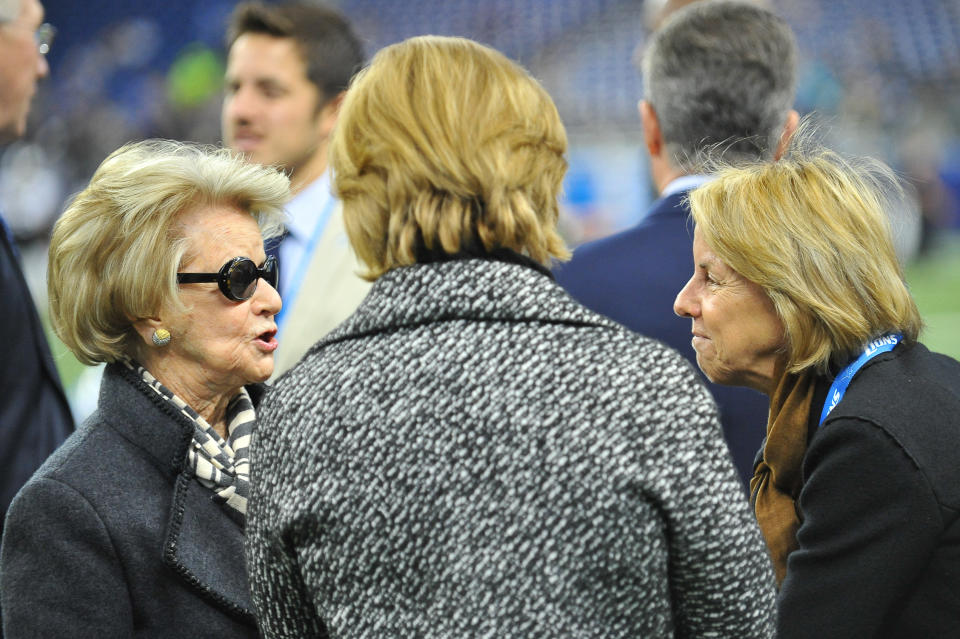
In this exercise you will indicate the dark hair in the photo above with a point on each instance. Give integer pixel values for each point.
(330, 49)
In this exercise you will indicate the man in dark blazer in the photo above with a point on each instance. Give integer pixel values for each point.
(34, 414)
(720, 76)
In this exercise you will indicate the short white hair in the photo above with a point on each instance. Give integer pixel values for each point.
(115, 251)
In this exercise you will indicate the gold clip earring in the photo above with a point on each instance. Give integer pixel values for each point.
(161, 337)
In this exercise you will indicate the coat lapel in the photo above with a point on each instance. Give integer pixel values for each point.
(202, 543)
(205, 547)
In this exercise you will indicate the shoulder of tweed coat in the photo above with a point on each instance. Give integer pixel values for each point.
(475, 454)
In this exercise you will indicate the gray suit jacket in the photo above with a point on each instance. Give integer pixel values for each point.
(475, 454)
(112, 537)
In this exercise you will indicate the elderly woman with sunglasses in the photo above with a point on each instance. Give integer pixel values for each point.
(134, 527)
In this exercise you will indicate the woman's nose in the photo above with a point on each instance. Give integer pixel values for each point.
(684, 305)
(266, 298)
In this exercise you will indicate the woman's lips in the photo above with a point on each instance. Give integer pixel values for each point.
(267, 341)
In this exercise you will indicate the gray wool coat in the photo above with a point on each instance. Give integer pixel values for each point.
(475, 454)
(113, 537)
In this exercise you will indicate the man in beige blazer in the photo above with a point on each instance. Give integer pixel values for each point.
(287, 70)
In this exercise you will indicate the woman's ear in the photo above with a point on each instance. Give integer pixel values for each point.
(146, 327)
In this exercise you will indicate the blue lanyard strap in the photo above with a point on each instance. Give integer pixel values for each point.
(838, 389)
(293, 288)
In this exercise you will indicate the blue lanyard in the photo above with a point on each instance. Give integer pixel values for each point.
(839, 387)
(293, 288)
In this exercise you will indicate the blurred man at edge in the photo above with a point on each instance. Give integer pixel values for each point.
(34, 413)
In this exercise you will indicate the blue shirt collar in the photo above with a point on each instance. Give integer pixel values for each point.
(684, 183)
(305, 207)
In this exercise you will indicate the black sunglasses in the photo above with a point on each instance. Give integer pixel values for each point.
(237, 278)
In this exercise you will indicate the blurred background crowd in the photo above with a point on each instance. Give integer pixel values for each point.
(883, 75)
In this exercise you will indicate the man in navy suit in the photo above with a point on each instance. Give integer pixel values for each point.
(34, 414)
(717, 76)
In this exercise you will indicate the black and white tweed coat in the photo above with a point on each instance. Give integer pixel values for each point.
(474, 454)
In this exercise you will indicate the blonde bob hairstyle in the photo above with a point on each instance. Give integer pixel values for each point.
(812, 230)
(444, 145)
(115, 251)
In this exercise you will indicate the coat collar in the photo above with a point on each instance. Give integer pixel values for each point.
(147, 420)
(467, 289)
(202, 544)
(670, 206)
(144, 419)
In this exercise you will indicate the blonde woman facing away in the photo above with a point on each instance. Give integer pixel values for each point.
(473, 453)
(134, 527)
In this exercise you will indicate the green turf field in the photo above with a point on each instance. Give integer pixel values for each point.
(935, 283)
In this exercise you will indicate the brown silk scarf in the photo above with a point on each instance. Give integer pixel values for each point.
(777, 479)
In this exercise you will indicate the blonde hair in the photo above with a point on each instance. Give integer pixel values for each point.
(443, 144)
(813, 232)
(115, 251)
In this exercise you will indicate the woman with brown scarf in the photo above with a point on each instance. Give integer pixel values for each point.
(797, 293)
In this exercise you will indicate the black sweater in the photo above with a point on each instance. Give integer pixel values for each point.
(879, 541)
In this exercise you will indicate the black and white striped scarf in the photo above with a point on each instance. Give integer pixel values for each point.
(222, 466)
